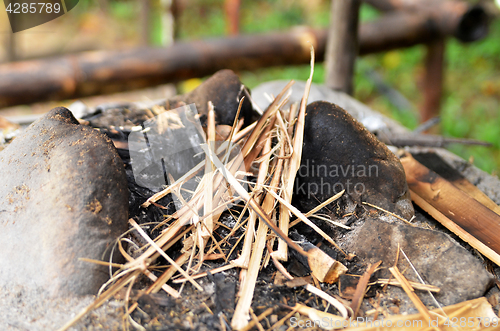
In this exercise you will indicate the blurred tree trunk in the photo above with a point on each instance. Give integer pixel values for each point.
(433, 80)
(232, 9)
(342, 45)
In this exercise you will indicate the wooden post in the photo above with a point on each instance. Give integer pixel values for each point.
(232, 8)
(433, 80)
(342, 45)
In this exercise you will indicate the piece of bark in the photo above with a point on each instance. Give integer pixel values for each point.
(438, 165)
(469, 214)
(323, 267)
(453, 227)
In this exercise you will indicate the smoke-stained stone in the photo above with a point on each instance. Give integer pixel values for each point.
(63, 196)
(339, 153)
(225, 91)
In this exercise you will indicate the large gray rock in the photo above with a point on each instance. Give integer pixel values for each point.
(63, 196)
(439, 260)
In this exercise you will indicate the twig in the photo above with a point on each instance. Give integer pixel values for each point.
(416, 286)
(388, 212)
(334, 302)
(359, 294)
(305, 220)
(250, 325)
(413, 297)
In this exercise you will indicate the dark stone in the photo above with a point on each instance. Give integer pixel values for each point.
(339, 153)
(225, 91)
(439, 260)
(63, 196)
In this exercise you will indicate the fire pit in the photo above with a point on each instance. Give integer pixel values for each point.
(242, 213)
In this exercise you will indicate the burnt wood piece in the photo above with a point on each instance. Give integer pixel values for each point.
(102, 72)
(470, 215)
(443, 169)
(340, 153)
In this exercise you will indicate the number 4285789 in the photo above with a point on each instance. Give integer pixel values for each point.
(33, 8)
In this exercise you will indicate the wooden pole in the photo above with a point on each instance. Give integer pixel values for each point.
(232, 8)
(342, 45)
(433, 80)
(103, 72)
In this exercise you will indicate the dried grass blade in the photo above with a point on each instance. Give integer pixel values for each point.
(157, 285)
(271, 110)
(325, 203)
(104, 263)
(173, 292)
(289, 180)
(242, 310)
(263, 315)
(388, 212)
(318, 315)
(416, 286)
(208, 222)
(204, 274)
(253, 204)
(304, 219)
(411, 293)
(334, 302)
(162, 253)
(190, 174)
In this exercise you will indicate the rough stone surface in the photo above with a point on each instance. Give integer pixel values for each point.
(439, 260)
(340, 153)
(63, 196)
